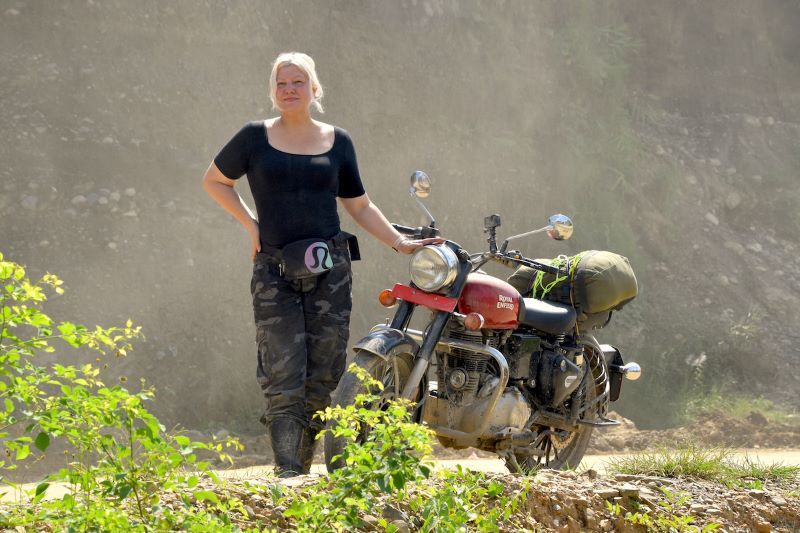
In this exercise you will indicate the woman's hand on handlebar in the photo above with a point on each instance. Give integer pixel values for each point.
(404, 245)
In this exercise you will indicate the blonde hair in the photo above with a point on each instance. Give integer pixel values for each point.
(304, 63)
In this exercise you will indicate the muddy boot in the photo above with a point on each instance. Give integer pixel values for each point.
(307, 448)
(286, 435)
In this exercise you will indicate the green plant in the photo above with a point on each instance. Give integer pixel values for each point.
(393, 455)
(713, 464)
(685, 460)
(466, 500)
(667, 519)
(121, 466)
(739, 406)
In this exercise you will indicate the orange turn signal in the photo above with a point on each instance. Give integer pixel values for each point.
(387, 298)
(473, 321)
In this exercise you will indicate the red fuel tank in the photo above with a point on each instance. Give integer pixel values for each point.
(494, 299)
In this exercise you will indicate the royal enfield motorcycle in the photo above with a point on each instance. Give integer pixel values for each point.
(492, 369)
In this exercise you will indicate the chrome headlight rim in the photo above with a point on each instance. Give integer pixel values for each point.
(437, 258)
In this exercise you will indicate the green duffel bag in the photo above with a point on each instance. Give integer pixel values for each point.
(599, 282)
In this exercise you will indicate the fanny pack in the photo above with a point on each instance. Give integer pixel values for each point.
(307, 258)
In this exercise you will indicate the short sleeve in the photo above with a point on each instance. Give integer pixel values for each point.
(350, 185)
(233, 160)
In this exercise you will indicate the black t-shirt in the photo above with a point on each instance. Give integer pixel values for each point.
(295, 195)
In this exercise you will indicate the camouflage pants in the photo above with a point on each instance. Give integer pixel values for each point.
(301, 336)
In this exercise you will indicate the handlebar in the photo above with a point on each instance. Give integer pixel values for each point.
(513, 260)
(509, 259)
(422, 232)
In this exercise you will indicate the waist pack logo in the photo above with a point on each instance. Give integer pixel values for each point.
(318, 258)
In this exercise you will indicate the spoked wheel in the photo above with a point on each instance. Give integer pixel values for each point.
(393, 374)
(554, 448)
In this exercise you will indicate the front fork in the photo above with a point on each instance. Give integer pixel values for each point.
(425, 353)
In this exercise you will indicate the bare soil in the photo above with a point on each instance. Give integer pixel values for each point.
(577, 501)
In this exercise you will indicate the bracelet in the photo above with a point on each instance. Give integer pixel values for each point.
(397, 242)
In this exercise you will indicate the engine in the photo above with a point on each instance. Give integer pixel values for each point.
(548, 368)
(466, 382)
(462, 374)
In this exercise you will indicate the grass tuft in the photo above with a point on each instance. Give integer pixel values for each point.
(690, 460)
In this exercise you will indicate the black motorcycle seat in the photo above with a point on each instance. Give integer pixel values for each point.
(548, 317)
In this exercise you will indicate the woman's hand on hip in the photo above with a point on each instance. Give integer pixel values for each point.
(255, 238)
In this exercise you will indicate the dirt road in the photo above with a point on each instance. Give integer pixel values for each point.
(595, 462)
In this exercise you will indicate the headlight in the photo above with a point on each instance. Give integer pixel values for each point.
(433, 267)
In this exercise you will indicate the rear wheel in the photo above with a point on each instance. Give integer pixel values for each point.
(393, 373)
(558, 448)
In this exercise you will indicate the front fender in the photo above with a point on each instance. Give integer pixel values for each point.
(386, 342)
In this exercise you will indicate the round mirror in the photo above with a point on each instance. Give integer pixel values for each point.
(420, 184)
(560, 227)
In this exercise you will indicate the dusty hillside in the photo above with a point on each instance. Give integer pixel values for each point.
(670, 131)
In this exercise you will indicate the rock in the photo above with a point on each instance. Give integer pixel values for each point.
(130, 191)
(251, 515)
(78, 200)
(755, 247)
(402, 527)
(769, 121)
(112, 245)
(590, 473)
(29, 202)
(722, 279)
(606, 493)
(690, 179)
(763, 527)
(712, 218)
(730, 171)
(715, 162)
(752, 121)
(115, 196)
(735, 246)
(392, 513)
(758, 179)
(628, 490)
(371, 521)
(733, 200)
(757, 418)
(108, 140)
(780, 501)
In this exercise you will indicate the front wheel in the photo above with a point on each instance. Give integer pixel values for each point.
(392, 372)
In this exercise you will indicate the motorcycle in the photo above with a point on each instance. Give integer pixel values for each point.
(491, 369)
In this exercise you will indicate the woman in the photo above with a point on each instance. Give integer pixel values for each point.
(297, 168)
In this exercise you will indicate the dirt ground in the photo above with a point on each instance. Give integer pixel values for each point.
(589, 498)
(578, 501)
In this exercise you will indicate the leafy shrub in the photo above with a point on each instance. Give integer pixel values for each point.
(120, 462)
(391, 470)
(394, 454)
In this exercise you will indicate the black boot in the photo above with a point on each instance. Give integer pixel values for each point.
(307, 448)
(286, 435)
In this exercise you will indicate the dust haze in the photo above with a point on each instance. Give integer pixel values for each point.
(669, 131)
